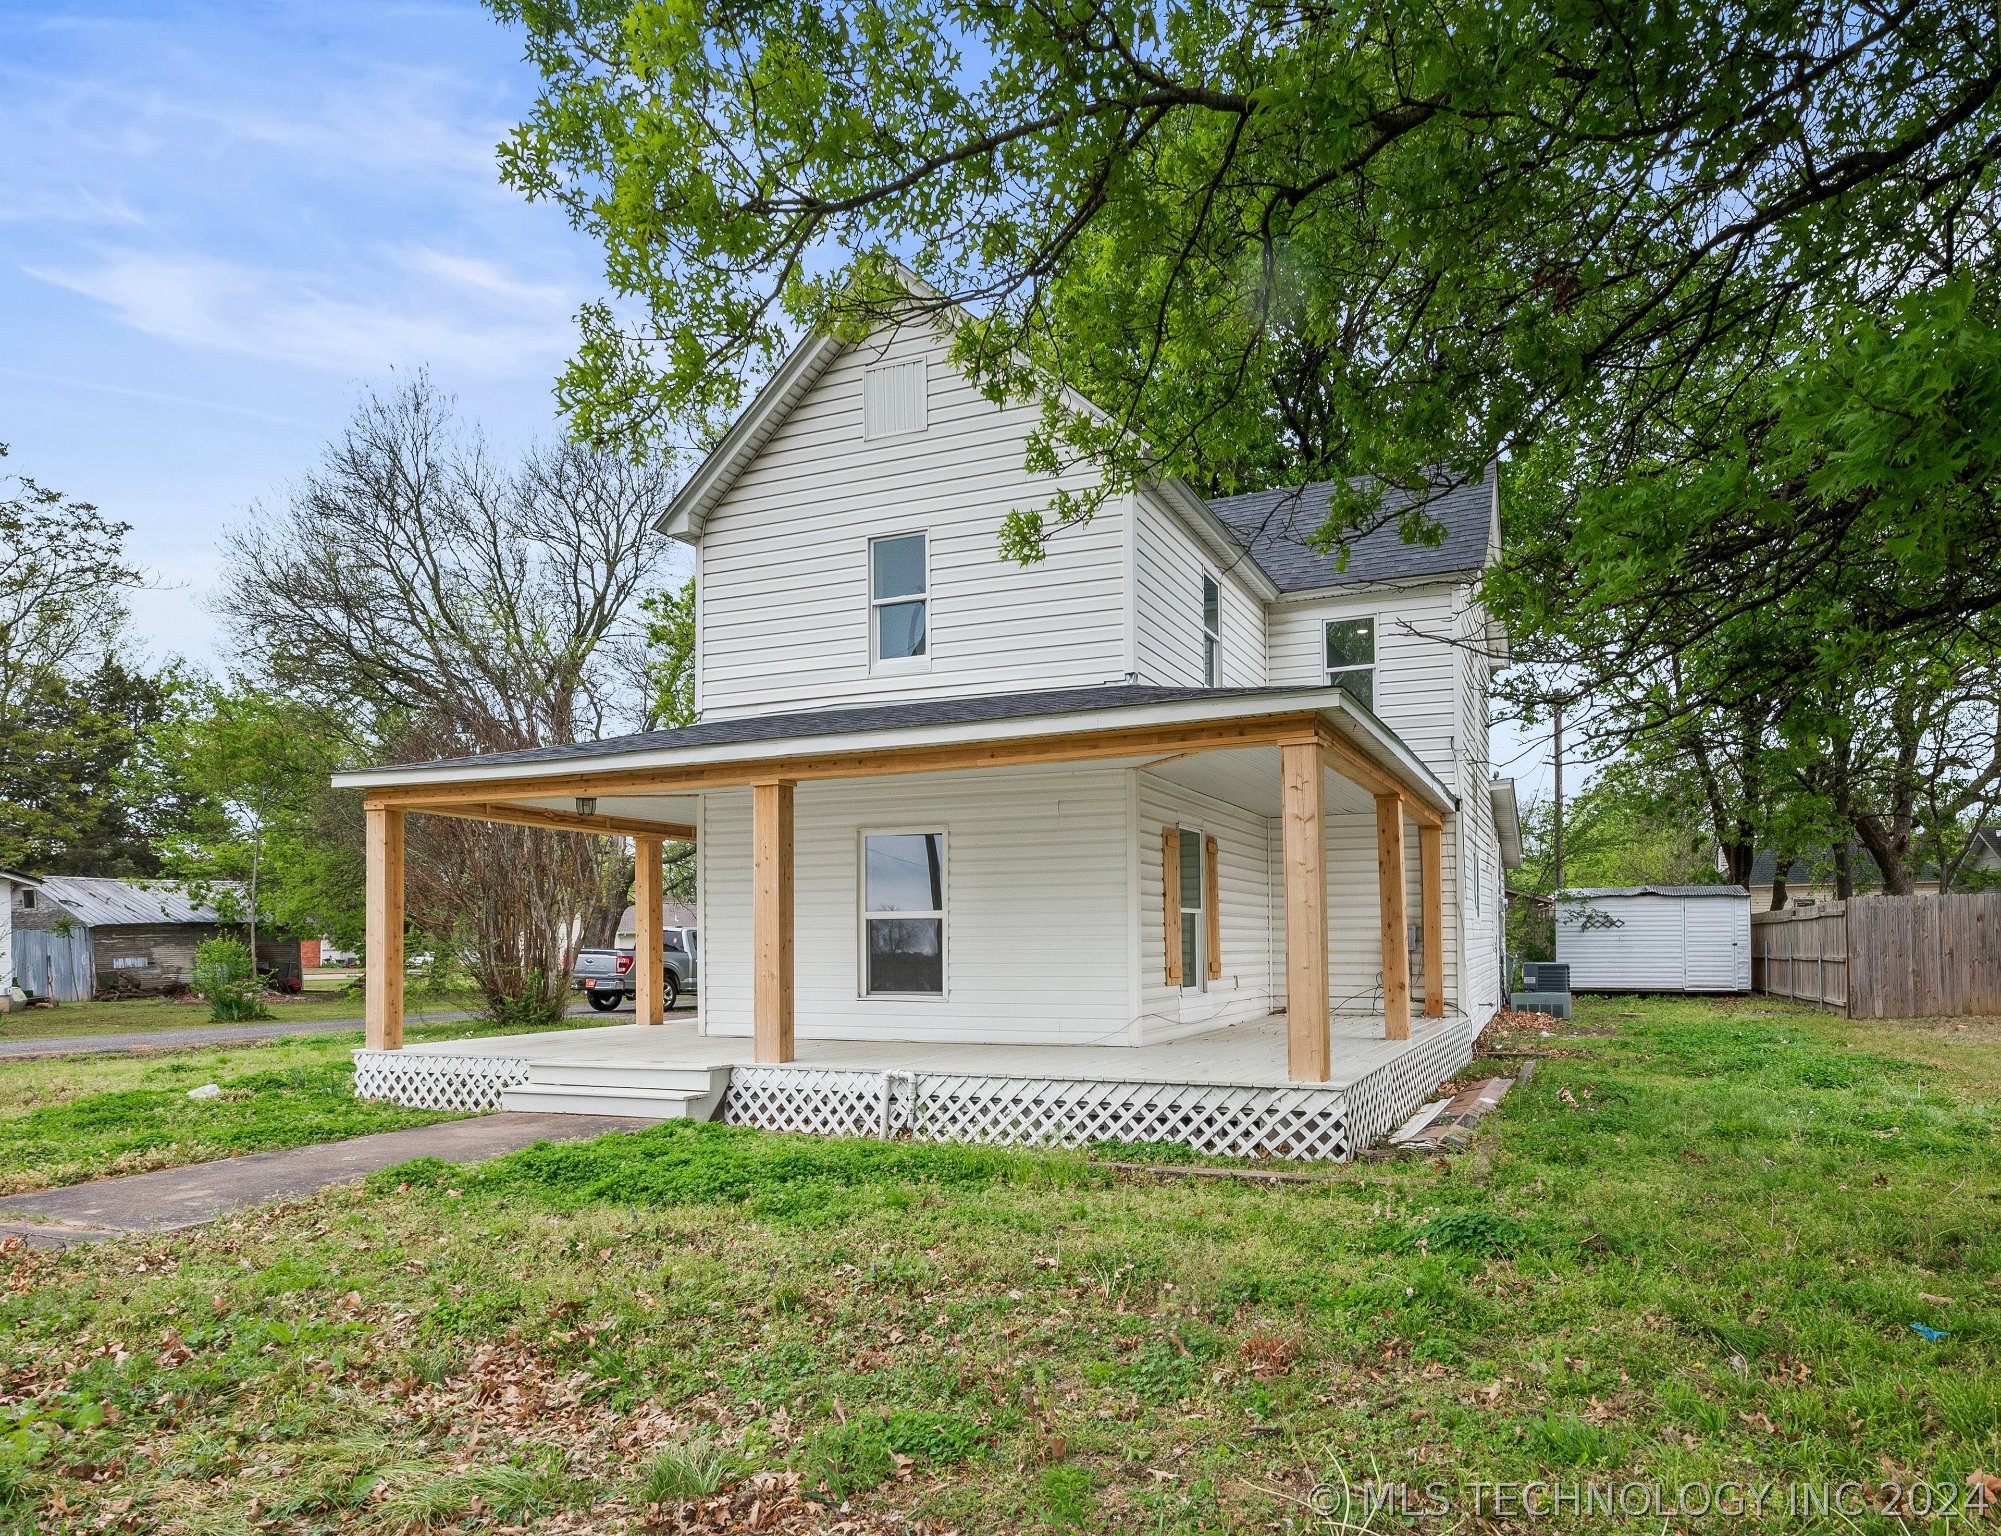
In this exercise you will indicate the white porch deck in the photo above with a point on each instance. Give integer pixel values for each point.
(1224, 1091)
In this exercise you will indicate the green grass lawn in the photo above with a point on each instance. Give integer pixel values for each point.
(142, 1014)
(1689, 1251)
(65, 1119)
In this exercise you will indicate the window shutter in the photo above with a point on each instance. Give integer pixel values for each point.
(1212, 891)
(1170, 900)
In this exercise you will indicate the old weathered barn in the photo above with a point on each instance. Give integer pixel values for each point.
(81, 936)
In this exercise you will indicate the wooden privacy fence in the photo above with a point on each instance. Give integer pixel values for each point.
(1883, 957)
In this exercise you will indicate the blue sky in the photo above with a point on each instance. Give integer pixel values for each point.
(220, 222)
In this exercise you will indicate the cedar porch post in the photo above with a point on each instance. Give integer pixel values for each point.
(383, 986)
(647, 987)
(1308, 1049)
(1431, 868)
(771, 919)
(1390, 901)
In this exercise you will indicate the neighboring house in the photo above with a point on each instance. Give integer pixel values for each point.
(78, 937)
(1182, 804)
(673, 914)
(11, 885)
(1810, 878)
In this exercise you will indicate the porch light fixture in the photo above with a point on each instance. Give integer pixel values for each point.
(587, 805)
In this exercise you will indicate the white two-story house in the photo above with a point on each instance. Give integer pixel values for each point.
(1182, 833)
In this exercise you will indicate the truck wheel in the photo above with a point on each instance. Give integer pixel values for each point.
(670, 989)
(604, 1002)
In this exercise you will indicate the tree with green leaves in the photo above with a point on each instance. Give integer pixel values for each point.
(259, 762)
(1254, 244)
(71, 707)
(670, 655)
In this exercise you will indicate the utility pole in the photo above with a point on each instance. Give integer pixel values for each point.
(1556, 762)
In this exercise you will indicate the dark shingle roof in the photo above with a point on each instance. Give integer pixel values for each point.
(1275, 525)
(961, 710)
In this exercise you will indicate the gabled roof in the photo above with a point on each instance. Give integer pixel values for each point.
(1270, 526)
(746, 438)
(97, 902)
(1275, 526)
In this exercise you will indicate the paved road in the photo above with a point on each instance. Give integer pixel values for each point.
(175, 1198)
(222, 1034)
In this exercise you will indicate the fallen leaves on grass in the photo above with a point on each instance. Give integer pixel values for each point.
(771, 1501)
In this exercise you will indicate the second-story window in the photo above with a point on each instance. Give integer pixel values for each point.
(1351, 658)
(899, 588)
(1212, 632)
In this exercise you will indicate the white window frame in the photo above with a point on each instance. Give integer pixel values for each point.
(1195, 975)
(943, 914)
(1212, 638)
(894, 664)
(1333, 674)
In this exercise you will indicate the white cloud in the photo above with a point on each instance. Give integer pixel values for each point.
(73, 205)
(305, 318)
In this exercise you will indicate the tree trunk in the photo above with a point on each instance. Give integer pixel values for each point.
(1779, 870)
(1889, 844)
(1844, 876)
(256, 861)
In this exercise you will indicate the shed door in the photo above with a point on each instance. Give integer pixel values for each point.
(1715, 953)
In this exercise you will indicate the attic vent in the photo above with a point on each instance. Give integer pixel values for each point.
(893, 398)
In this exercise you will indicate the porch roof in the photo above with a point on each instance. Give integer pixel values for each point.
(962, 721)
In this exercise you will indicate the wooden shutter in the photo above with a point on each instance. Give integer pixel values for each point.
(1212, 891)
(1170, 900)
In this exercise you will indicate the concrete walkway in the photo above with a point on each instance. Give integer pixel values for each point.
(175, 1198)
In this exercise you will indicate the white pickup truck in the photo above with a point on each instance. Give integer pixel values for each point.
(604, 976)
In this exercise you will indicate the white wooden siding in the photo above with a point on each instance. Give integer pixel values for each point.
(1418, 682)
(1245, 876)
(1168, 618)
(784, 556)
(1481, 931)
(1038, 941)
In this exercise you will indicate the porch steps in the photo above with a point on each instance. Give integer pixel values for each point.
(610, 1088)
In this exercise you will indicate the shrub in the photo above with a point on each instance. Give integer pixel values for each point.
(225, 975)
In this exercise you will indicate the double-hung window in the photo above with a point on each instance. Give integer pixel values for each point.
(1212, 632)
(903, 913)
(1351, 658)
(899, 584)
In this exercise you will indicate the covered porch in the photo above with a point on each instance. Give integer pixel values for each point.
(1225, 1091)
(1295, 762)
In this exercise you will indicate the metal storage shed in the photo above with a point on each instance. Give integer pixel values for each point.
(1656, 938)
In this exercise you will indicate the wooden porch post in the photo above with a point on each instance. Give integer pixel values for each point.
(383, 986)
(1308, 1049)
(1431, 872)
(647, 988)
(771, 919)
(1390, 901)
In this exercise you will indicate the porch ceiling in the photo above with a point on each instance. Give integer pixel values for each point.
(1250, 777)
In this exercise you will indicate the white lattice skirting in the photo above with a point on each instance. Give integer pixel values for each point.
(436, 1082)
(1218, 1119)
(1212, 1118)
